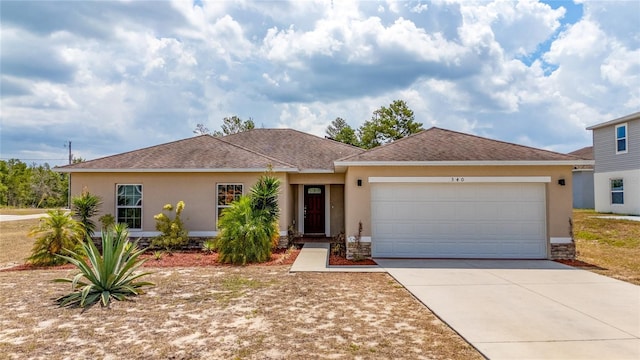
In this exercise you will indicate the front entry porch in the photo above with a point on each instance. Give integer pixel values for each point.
(318, 211)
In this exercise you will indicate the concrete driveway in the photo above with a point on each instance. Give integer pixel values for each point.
(527, 309)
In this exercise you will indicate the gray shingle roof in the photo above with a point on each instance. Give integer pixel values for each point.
(293, 150)
(584, 153)
(437, 144)
(200, 152)
(303, 150)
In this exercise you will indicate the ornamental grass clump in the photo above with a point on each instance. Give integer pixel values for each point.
(106, 276)
(173, 233)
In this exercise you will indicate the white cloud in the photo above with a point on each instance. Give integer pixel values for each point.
(114, 76)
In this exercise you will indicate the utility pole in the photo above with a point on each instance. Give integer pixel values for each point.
(70, 155)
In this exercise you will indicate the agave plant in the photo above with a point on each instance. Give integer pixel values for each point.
(107, 276)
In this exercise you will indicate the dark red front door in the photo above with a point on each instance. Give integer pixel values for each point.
(314, 209)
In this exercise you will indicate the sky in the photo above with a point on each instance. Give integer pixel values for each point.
(115, 76)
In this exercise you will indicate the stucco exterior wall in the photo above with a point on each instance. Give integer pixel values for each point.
(316, 179)
(197, 190)
(558, 198)
(337, 209)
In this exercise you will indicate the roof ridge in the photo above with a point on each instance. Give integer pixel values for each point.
(386, 144)
(300, 132)
(503, 142)
(253, 151)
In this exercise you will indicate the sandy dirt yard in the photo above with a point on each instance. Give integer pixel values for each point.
(254, 312)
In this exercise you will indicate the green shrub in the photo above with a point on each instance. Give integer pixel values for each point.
(264, 196)
(107, 220)
(173, 233)
(249, 227)
(85, 207)
(55, 232)
(243, 237)
(106, 276)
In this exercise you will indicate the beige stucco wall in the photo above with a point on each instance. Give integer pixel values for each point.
(337, 209)
(316, 179)
(197, 190)
(559, 198)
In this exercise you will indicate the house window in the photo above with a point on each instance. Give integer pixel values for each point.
(129, 206)
(227, 193)
(621, 139)
(617, 192)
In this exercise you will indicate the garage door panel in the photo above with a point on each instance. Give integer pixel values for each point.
(455, 220)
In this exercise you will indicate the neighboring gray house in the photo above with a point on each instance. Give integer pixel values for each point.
(583, 180)
(616, 150)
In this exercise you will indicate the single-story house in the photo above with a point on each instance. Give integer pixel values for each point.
(583, 197)
(435, 194)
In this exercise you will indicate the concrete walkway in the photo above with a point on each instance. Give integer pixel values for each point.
(620, 217)
(21, 217)
(527, 309)
(314, 257)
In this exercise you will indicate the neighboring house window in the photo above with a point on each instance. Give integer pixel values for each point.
(129, 205)
(621, 139)
(617, 191)
(227, 193)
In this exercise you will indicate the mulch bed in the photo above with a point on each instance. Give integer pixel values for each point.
(339, 260)
(182, 259)
(200, 258)
(579, 264)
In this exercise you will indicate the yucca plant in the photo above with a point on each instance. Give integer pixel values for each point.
(106, 276)
(56, 231)
(85, 207)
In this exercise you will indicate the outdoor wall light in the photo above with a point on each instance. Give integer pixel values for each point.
(561, 182)
(359, 182)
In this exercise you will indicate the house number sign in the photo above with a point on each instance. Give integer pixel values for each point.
(457, 179)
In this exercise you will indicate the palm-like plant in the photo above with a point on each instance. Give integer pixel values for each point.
(243, 237)
(107, 276)
(55, 232)
(85, 207)
(264, 195)
(264, 201)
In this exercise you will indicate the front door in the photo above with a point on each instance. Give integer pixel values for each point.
(314, 209)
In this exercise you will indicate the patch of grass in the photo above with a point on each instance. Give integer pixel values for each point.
(237, 286)
(15, 245)
(611, 244)
(237, 283)
(22, 211)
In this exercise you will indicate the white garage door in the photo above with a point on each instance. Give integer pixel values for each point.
(470, 220)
